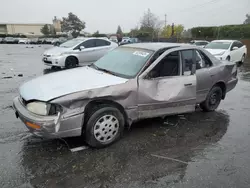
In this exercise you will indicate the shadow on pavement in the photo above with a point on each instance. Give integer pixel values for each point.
(131, 162)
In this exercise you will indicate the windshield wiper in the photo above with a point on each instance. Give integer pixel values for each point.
(101, 69)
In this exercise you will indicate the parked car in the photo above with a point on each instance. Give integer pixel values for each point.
(128, 41)
(79, 50)
(1, 40)
(230, 50)
(40, 41)
(9, 40)
(23, 41)
(34, 41)
(130, 83)
(201, 43)
(59, 41)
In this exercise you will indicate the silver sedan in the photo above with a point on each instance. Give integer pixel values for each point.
(130, 83)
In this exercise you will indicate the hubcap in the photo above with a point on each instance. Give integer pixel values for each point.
(214, 99)
(106, 128)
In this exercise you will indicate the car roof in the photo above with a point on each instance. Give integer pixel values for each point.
(224, 40)
(200, 41)
(155, 46)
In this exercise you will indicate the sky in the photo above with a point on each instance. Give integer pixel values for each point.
(106, 15)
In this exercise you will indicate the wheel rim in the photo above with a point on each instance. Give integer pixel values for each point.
(70, 63)
(106, 128)
(214, 99)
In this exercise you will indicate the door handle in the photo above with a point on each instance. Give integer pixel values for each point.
(189, 84)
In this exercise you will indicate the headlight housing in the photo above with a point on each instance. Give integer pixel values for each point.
(44, 109)
(219, 54)
(39, 108)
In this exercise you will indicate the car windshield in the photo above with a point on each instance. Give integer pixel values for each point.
(124, 61)
(71, 43)
(218, 45)
(200, 43)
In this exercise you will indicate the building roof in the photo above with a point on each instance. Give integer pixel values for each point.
(155, 45)
(2, 23)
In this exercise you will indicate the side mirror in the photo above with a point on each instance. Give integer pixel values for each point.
(235, 48)
(82, 47)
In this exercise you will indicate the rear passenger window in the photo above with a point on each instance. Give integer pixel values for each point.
(100, 42)
(187, 61)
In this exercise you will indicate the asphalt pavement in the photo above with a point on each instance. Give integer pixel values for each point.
(192, 150)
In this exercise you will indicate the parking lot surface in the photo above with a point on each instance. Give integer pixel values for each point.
(192, 150)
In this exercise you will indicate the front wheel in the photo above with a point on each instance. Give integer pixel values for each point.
(71, 62)
(213, 99)
(104, 127)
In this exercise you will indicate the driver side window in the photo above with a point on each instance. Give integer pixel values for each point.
(89, 43)
(168, 66)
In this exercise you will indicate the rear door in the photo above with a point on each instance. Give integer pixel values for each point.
(203, 75)
(101, 48)
(168, 86)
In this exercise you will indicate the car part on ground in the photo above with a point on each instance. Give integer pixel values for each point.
(128, 84)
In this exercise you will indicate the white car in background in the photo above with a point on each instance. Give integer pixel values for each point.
(77, 51)
(201, 43)
(23, 41)
(230, 50)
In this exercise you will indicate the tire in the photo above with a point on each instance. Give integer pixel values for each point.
(243, 58)
(228, 58)
(213, 99)
(104, 127)
(71, 62)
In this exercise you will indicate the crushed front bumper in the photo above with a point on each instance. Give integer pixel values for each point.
(42, 126)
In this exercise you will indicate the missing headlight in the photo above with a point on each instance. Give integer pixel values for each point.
(54, 109)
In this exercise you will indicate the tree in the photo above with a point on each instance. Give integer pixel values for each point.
(167, 31)
(97, 34)
(72, 24)
(150, 24)
(45, 30)
(119, 31)
(247, 21)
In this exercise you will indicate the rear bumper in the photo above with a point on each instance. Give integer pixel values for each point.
(49, 126)
(231, 84)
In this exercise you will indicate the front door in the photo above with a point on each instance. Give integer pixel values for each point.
(85, 55)
(234, 53)
(168, 86)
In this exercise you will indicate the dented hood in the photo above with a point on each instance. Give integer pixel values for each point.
(61, 83)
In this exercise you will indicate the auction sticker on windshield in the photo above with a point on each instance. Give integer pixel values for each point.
(143, 54)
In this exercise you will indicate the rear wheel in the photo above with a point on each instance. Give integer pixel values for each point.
(104, 127)
(71, 62)
(213, 99)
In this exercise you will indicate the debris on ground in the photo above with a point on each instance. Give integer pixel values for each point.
(79, 148)
(20, 75)
(182, 117)
(7, 77)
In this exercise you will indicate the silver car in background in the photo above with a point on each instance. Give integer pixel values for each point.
(77, 51)
(130, 83)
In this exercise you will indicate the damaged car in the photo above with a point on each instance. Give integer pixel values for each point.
(130, 83)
